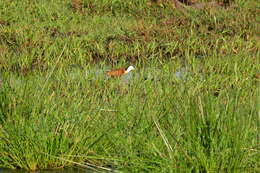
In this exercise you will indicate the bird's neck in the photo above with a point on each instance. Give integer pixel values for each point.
(127, 70)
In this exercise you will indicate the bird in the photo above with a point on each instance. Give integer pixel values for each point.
(119, 72)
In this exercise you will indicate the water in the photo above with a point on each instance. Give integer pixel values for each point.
(97, 73)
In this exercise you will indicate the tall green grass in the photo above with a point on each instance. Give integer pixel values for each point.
(57, 109)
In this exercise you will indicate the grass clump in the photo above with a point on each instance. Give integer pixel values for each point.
(192, 104)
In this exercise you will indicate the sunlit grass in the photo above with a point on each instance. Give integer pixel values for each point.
(191, 104)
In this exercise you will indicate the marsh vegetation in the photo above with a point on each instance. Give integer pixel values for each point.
(192, 103)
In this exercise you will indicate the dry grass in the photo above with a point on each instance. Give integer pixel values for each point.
(76, 4)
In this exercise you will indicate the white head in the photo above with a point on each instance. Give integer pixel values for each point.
(130, 68)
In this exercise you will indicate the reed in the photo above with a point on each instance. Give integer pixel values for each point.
(190, 105)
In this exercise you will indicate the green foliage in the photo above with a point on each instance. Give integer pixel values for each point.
(57, 109)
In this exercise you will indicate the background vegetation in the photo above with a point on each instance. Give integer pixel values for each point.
(192, 104)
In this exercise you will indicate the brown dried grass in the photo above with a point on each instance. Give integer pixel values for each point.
(76, 4)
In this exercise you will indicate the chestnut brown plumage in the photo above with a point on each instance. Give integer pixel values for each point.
(119, 72)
